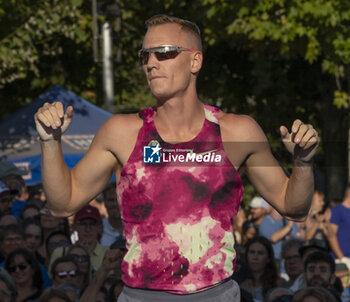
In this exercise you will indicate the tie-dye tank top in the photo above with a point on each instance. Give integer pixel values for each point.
(178, 213)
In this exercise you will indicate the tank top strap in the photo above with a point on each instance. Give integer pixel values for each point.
(211, 113)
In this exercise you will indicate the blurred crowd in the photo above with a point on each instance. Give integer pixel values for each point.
(79, 258)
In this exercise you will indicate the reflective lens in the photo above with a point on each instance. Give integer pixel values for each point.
(64, 274)
(162, 53)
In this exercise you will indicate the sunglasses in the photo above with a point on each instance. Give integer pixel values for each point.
(63, 275)
(162, 53)
(80, 258)
(21, 266)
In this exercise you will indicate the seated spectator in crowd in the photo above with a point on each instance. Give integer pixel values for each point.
(30, 211)
(33, 237)
(259, 208)
(319, 271)
(66, 270)
(56, 245)
(6, 199)
(293, 262)
(16, 183)
(81, 256)
(277, 229)
(8, 290)
(54, 294)
(72, 291)
(260, 258)
(11, 238)
(50, 224)
(26, 273)
(112, 226)
(8, 219)
(249, 232)
(304, 252)
(88, 228)
(313, 294)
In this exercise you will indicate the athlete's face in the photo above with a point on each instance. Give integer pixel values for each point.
(172, 77)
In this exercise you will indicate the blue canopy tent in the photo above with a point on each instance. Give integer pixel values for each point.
(19, 139)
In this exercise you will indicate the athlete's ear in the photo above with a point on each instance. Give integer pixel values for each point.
(196, 63)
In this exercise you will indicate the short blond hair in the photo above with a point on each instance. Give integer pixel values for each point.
(187, 26)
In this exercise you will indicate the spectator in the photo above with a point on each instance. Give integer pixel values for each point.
(340, 224)
(249, 232)
(116, 289)
(50, 224)
(30, 211)
(258, 210)
(6, 199)
(317, 225)
(81, 256)
(112, 226)
(260, 258)
(33, 237)
(55, 245)
(319, 270)
(8, 219)
(54, 295)
(25, 271)
(276, 229)
(66, 270)
(318, 293)
(16, 183)
(8, 290)
(11, 238)
(293, 262)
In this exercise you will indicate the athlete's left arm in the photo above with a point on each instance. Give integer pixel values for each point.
(289, 195)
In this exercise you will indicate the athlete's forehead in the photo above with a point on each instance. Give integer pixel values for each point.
(166, 34)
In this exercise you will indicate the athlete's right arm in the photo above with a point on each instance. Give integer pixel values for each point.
(67, 191)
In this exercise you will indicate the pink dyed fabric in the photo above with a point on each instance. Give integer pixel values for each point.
(178, 216)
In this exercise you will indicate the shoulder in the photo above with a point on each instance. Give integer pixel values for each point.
(119, 127)
(240, 128)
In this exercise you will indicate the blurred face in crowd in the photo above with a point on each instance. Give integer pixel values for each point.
(48, 221)
(6, 204)
(111, 204)
(82, 258)
(318, 274)
(88, 229)
(317, 202)
(11, 242)
(257, 257)
(30, 213)
(57, 241)
(293, 262)
(21, 271)
(5, 293)
(7, 220)
(66, 272)
(32, 235)
(257, 213)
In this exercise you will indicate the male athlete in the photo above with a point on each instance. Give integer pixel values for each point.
(176, 168)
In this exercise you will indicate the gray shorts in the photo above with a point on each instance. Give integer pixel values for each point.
(226, 292)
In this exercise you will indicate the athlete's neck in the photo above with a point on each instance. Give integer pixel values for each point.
(179, 120)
